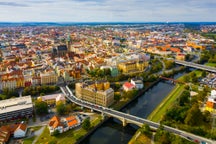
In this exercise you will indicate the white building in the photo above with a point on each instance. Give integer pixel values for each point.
(137, 82)
(20, 131)
(16, 107)
(128, 86)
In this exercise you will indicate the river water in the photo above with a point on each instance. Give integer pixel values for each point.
(112, 131)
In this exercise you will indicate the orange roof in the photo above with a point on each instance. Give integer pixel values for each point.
(175, 49)
(4, 135)
(71, 120)
(55, 122)
(22, 127)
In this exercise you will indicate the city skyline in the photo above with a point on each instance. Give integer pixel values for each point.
(107, 11)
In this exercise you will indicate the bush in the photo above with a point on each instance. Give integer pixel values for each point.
(86, 125)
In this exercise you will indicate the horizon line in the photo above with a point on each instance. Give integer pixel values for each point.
(108, 22)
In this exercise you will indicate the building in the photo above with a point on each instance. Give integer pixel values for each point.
(132, 66)
(98, 92)
(63, 124)
(20, 131)
(53, 99)
(72, 121)
(17, 130)
(180, 56)
(113, 70)
(4, 135)
(137, 82)
(211, 102)
(16, 108)
(128, 86)
(55, 124)
(48, 78)
(60, 50)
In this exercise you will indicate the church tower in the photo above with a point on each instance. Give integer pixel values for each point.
(69, 43)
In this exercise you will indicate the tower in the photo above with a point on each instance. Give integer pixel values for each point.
(68, 43)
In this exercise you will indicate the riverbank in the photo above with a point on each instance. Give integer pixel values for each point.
(157, 114)
(160, 110)
(141, 92)
(120, 107)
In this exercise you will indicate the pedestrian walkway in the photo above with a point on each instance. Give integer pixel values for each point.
(37, 134)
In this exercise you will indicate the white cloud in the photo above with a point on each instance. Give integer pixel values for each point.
(107, 10)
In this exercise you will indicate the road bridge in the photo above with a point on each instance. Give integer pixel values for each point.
(127, 118)
(195, 65)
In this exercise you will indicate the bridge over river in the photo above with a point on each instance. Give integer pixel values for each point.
(195, 65)
(127, 118)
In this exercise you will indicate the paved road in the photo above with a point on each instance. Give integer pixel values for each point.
(128, 117)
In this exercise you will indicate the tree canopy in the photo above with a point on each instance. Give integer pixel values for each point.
(41, 107)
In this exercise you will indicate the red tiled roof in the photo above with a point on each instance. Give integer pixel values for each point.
(128, 85)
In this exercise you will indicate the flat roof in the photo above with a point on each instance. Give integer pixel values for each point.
(14, 104)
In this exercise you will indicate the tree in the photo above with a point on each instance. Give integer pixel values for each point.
(203, 73)
(207, 116)
(61, 108)
(41, 107)
(86, 124)
(187, 57)
(117, 96)
(184, 98)
(186, 78)
(55, 133)
(162, 136)
(53, 142)
(145, 129)
(169, 64)
(194, 116)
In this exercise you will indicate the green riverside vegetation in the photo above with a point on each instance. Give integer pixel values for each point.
(157, 114)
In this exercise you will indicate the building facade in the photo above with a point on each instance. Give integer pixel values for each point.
(52, 99)
(132, 66)
(95, 92)
(48, 78)
(16, 108)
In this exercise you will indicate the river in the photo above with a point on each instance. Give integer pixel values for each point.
(112, 131)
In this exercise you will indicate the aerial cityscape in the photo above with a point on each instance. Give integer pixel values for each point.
(101, 72)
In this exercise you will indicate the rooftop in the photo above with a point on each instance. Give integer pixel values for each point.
(15, 104)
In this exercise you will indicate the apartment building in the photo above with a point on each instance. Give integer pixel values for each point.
(98, 92)
(48, 78)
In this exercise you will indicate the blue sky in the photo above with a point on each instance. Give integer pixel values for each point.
(107, 10)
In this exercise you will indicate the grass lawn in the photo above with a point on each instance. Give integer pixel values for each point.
(36, 128)
(197, 72)
(69, 137)
(141, 139)
(29, 140)
(119, 104)
(211, 64)
(166, 103)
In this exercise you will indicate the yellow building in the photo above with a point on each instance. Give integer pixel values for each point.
(20, 82)
(52, 99)
(95, 92)
(194, 45)
(132, 66)
(48, 78)
(180, 57)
